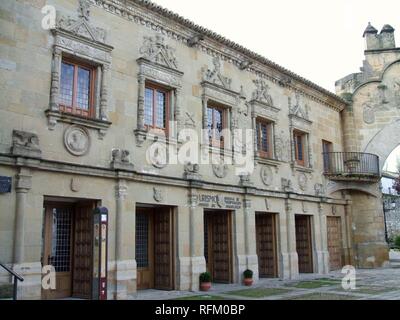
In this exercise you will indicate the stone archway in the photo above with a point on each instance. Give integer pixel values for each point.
(384, 142)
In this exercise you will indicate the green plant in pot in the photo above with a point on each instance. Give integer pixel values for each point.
(205, 281)
(248, 277)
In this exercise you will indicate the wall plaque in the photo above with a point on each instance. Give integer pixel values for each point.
(5, 184)
(219, 201)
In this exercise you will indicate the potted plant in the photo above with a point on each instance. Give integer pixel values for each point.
(248, 277)
(205, 281)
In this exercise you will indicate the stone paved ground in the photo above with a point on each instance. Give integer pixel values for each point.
(371, 284)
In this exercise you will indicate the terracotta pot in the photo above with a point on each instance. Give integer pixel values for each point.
(205, 286)
(248, 281)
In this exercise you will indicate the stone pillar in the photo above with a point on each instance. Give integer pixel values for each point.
(140, 118)
(254, 125)
(125, 272)
(348, 249)
(178, 115)
(23, 185)
(321, 243)
(292, 257)
(105, 74)
(349, 130)
(250, 238)
(196, 239)
(55, 79)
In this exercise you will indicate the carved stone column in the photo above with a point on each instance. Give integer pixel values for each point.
(250, 238)
(23, 185)
(178, 111)
(196, 230)
(291, 241)
(205, 121)
(140, 119)
(254, 125)
(125, 244)
(55, 79)
(105, 74)
(321, 246)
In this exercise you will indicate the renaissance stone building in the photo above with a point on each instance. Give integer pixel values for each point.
(98, 108)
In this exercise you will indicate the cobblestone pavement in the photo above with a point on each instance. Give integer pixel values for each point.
(371, 284)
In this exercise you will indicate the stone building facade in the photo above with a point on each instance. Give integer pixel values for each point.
(98, 109)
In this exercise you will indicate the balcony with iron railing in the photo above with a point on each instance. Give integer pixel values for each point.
(351, 166)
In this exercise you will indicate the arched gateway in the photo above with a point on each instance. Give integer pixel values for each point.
(371, 131)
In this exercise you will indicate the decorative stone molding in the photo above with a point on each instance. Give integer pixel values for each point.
(25, 144)
(261, 94)
(77, 37)
(158, 194)
(121, 191)
(191, 171)
(23, 181)
(286, 185)
(220, 170)
(266, 175)
(334, 209)
(148, 15)
(120, 160)
(304, 206)
(77, 140)
(158, 64)
(302, 181)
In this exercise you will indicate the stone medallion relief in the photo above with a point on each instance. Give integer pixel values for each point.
(266, 175)
(302, 181)
(77, 140)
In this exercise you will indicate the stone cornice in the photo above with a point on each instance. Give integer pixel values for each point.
(131, 175)
(154, 17)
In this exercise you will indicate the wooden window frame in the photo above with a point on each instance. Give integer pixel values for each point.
(74, 107)
(168, 94)
(303, 136)
(261, 153)
(217, 143)
(326, 161)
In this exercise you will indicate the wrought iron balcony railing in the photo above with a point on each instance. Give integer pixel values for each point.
(351, 166)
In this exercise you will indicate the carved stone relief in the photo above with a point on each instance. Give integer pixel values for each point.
(191, 171)
(156, 50)
(120, 159)
(215, 76)
(302, 181)
(77, 140)
(25, 144)
(286, 185)
(81, 26)
(158, 194)
(220, 169)
(266, 175)
(282, 147)
(261, 92)
(297, 109)
(75, 185)
(319, 189)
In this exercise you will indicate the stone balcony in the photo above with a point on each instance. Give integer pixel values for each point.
(351, 166)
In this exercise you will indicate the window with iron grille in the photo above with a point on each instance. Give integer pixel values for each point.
(142, 240)
(61, 240)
